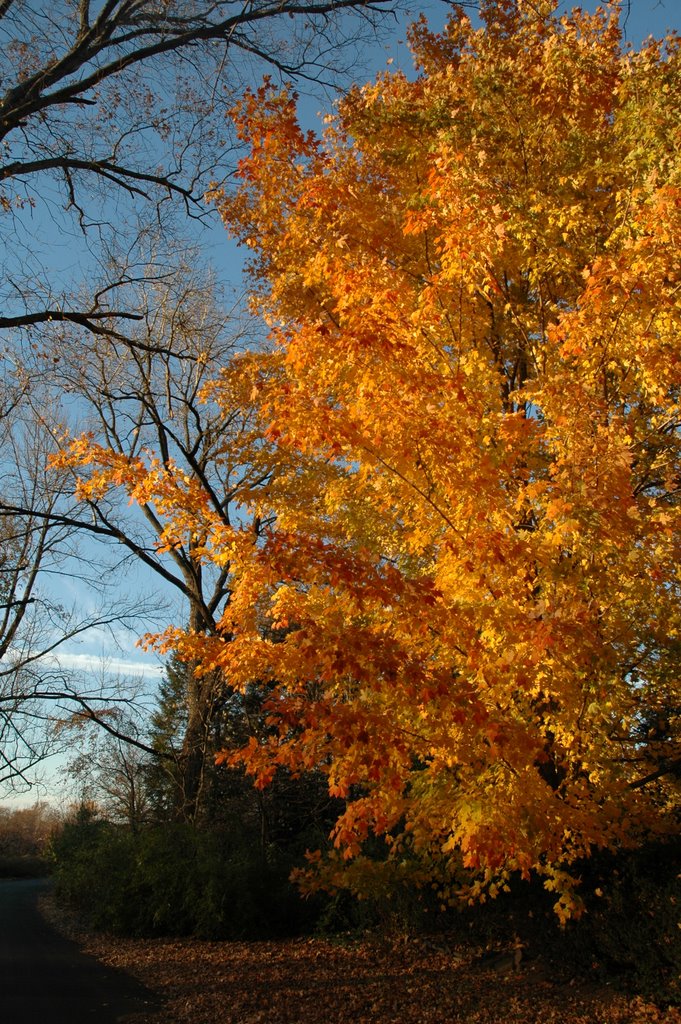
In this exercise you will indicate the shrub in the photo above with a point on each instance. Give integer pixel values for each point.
(175, 880)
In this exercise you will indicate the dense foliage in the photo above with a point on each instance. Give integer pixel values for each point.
(176, 880)
(468, 431)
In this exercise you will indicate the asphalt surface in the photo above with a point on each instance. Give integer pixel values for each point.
(45, 979)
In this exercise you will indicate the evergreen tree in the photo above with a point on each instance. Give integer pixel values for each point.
(167, 729)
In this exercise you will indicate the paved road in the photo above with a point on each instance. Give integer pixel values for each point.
(45, 979)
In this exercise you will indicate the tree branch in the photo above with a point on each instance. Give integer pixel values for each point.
(671, 768)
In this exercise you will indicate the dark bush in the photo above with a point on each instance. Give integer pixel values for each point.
(633, 925)
(629, 935)
(174, 880)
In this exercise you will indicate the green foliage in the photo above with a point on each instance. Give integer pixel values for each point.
(175, 880)
(167, 728)
(386, 901)
(226, 873)
(87, 863)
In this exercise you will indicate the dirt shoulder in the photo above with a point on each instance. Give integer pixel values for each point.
(313, 980)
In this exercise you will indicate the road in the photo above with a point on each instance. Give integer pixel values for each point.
(45, 979)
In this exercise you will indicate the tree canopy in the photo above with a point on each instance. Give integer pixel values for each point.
(112, 119)
(465, 607)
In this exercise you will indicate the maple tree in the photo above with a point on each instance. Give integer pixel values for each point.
(150, 430)
(472, 282)
(112, 123)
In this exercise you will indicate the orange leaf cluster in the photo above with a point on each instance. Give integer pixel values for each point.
(473, 282)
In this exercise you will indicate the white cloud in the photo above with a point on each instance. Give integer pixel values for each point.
(109, 666)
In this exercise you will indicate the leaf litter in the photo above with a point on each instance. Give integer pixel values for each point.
(349, 981)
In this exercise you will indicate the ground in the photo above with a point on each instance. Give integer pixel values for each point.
(316, 981)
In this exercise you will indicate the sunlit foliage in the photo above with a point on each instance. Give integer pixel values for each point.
(467, 605)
